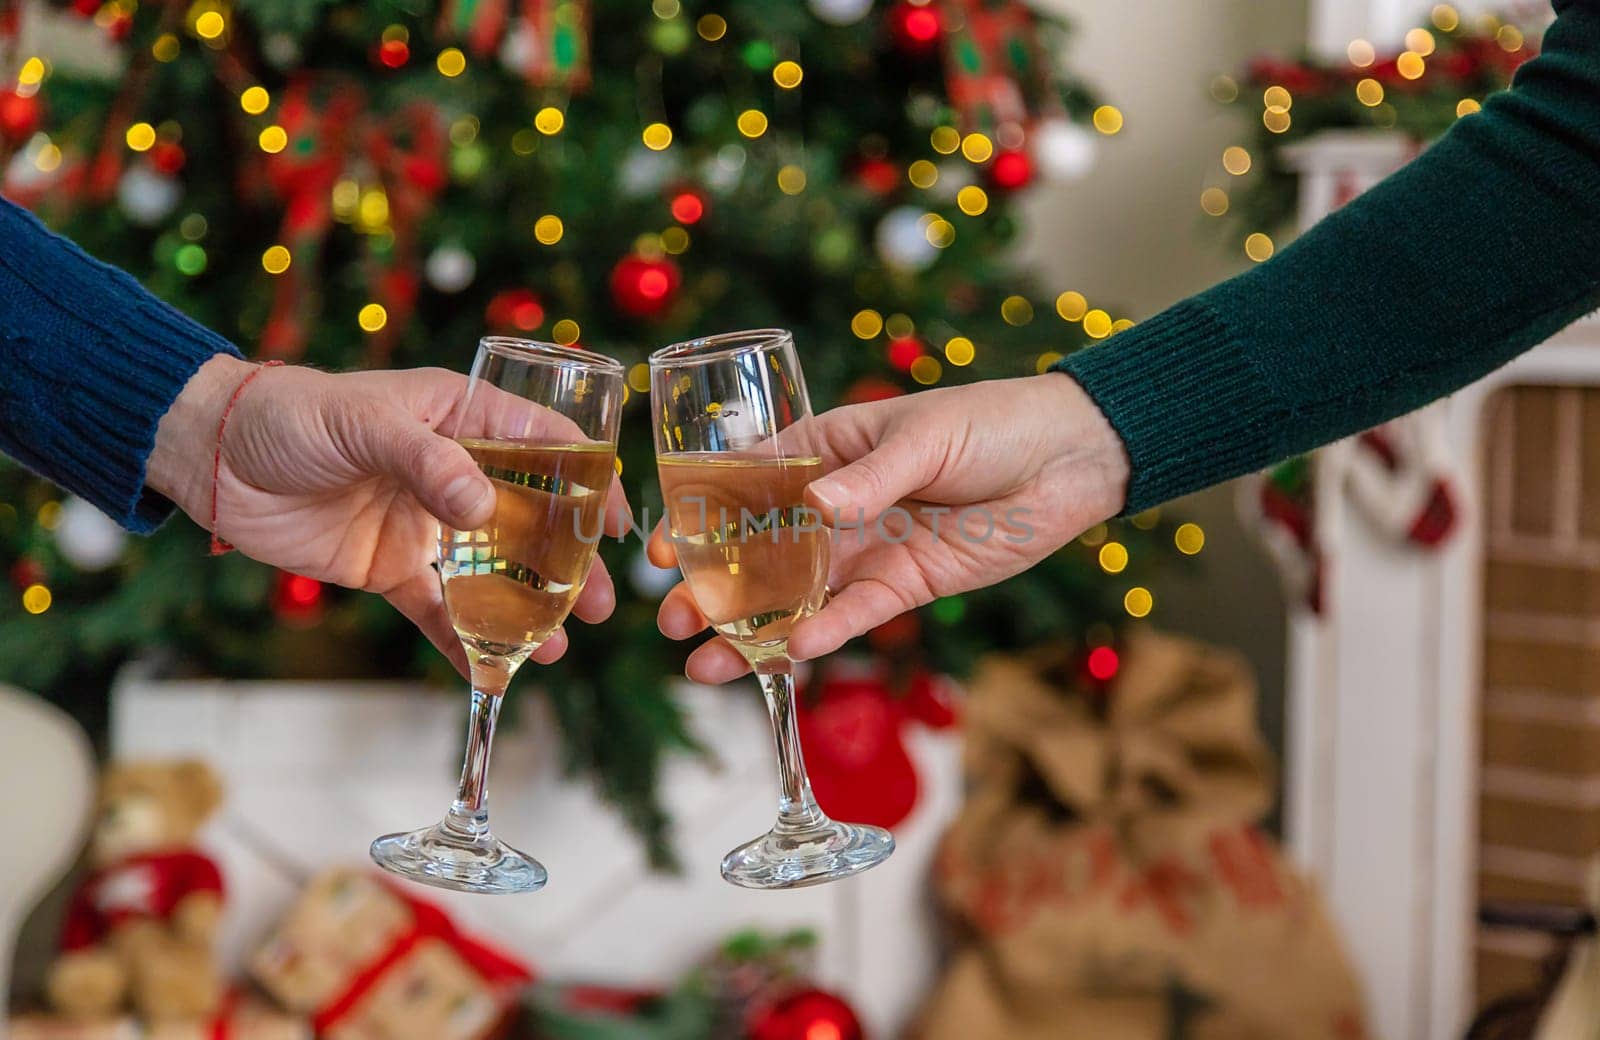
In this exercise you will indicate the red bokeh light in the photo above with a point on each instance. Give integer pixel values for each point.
(903, 352)
(1103, 663)
(394, 53)
(922, 24)
(654, 284)
(687, 208)
(1011, 170)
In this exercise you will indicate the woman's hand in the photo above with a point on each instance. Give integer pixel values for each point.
(342, 478)
(933, 494)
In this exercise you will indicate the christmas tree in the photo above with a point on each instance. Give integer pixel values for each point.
(380, 183)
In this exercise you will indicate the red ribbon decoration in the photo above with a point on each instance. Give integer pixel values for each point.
(330, 131)
(427, 922)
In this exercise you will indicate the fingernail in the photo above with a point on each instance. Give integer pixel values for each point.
(465, 493)
(828, 493)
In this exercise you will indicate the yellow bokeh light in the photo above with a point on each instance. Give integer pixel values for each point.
(48, 160)
(922, 174)
(210, 25)
(31, 73)
(1258, 247)
(36, 599)
(464, 131)
(548, 229)
(1236, 160)
(1095, 535)
(524, 142)
(1189, 538)
(1113, 557)
(972, 200)
(926, 370)
(791, 180)
(372, 317)
(1072, 306)
(255, 100)
(666, 9)
(1276, 120)
(276, 259)
(977, 148)
(49, 515)
(866, 324)
(165, 48)
(639, 378)
(899, 326)
(1446, 18)
(565, 332)
(1421, 41)
(960, 351)
(1361, 53)
(1467, 106)
(1278, 97)
(1370, 92)
(373, 211)
(273, 139)
(1214, 201)
(549, 121)
(675, 240)
(711, 27)
(945, 139)
(450, 62)
(657, 136)
(752, 123)
(787, 74)
(1225, 89)
(1138, 602)
(941, 233)
(1121, 325)
(140, 137)
(648, 245)
(1097, 323)
(1509, 37)
(1108, 119)
(1410, 65)
(1016, 310)
(1043, 363)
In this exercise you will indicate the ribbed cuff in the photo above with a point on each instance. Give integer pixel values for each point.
(1188, 404)
(101, 360)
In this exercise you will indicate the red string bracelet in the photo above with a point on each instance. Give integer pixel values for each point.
(218, 546)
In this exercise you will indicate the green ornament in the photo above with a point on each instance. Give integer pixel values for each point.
(835, 248)
(670, 37)
(466, 162)
(759, 55)
(190, 259)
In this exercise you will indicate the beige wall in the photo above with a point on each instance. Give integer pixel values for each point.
(1131, 237)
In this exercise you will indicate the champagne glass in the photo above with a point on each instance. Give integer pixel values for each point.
(541, 422)
(736, 447)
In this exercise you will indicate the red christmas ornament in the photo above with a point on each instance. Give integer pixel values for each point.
(120, 25)
(878, 175)
(297, 600)
(515, 309)
(393, 53)
(860, 769)
(904, 352)
(27, 572)
(915, 28)
(19, 115)
(810, 1014)
(687, 207)
(642, 287)
(168, 157)
(870, 389)
(1011, 170)
(85, 8)
(1103, 663)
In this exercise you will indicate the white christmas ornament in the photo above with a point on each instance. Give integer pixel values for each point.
(840, 12)
(147, 196)
(281, 50)
(517, 52)
(902, 241)
(953, 176)
(450, 269)
(1063, 151)
(649, 579)
(89, 539)
(721, 174)
(644, 172)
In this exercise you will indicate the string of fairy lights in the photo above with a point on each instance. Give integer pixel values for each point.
(1277, 101)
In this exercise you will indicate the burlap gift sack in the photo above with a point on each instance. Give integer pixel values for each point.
(1106, 874)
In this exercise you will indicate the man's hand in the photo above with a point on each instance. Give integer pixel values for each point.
(341, 478)
(1032, 456)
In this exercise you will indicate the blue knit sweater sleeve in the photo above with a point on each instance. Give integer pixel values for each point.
(89, 363)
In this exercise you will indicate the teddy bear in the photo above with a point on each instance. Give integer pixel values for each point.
(138, 932)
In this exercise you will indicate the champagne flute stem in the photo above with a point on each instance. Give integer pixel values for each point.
(797, 808)
(469, 813)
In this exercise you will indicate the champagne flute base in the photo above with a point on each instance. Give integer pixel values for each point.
(786, 858)
(436, 856)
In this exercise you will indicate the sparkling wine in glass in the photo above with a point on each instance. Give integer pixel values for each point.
(735, 448)
(541, 422)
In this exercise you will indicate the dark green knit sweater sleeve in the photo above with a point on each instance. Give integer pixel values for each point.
(1484, 246)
